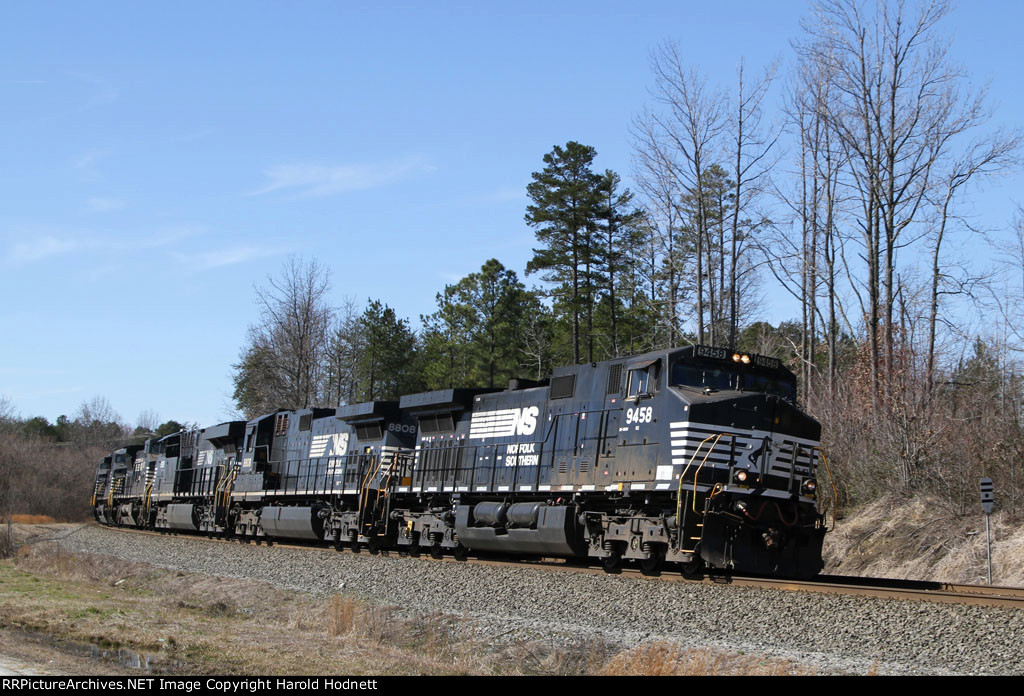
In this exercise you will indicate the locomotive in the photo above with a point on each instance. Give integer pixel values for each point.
(695, 457)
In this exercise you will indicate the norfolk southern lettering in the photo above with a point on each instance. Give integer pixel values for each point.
(695, 457)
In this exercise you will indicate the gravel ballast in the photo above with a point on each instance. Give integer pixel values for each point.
(829, 633)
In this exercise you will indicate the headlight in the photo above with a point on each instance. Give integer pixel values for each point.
(809, 487)
(740, 476)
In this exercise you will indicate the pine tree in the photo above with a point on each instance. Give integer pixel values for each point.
(447, 340)
(473, 337)
(388, 366)
(620, 237)
(566, 198)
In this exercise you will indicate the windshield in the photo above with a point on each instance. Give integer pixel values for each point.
(702, 377)
(692, 374)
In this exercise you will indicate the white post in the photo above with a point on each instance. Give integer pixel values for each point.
(988, 548)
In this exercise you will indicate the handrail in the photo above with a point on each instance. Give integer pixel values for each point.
(682, 476)
(832, 482)
(370, 473)
(703, 462)
(113, 489)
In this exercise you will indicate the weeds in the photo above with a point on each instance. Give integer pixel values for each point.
(668, 659)
(217, 625)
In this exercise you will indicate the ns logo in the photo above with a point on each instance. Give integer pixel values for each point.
(504, 423)
(526, 422)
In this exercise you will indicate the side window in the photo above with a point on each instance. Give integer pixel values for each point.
(639, 382)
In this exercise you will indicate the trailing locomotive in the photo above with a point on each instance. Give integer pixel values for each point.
(694, 457)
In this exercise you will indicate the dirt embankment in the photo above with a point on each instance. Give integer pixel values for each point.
(918, 539)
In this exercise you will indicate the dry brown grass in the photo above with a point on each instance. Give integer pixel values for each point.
(581, 657)
(191, 624)
(663, 659)
(32, 519)
(919, 539)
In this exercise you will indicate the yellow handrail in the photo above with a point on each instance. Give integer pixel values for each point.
(113, 489)
(682, 476)
(832, 482)
(222, 480)
(387, 482)
(229, 486)
(370, 473)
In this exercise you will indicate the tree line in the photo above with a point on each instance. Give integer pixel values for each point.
(851, 196)
(49, 468)
(843, 183)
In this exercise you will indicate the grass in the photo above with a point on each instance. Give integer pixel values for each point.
(31, 519)
(196, 624)
(668, 659)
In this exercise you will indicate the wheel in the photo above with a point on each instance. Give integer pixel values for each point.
(612, 563)
(374, 545)
(436, 551)
(652, 565)
(414, 550)
(338, 545)
(460, 553)
(354, 545)
(694, 570)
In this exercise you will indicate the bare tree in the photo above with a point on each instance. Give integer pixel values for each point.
(665, 256)
(345, 346)
(148, 421)
(752, 159)
(983, 157)
(684, 138)
(896, 106)
(284, 363)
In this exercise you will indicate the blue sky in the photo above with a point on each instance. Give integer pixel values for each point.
(158, 160)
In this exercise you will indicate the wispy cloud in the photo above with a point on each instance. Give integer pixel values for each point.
(104, 205)
(85, 165)
(504, 194)
(451, 278)
(227, 256)
(309, 180)
(102, 90)
(29, 372)
(87, 159)
(47, 245)
(41, 248)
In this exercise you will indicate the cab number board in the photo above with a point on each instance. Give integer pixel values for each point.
(715, 353)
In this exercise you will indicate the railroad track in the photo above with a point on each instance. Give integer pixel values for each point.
(921, 590)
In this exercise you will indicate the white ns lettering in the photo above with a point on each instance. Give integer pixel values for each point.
(527, 421)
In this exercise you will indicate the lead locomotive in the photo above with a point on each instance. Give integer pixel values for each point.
(697, 457)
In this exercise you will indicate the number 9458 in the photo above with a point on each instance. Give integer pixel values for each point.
(643, 414)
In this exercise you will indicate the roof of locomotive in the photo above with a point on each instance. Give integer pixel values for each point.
(697, 352)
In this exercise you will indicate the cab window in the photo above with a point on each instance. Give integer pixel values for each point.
(702, 377)
(639, 382)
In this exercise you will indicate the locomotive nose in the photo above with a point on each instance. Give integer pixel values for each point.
(790, 420)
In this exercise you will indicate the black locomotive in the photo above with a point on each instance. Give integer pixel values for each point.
(697, 457)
